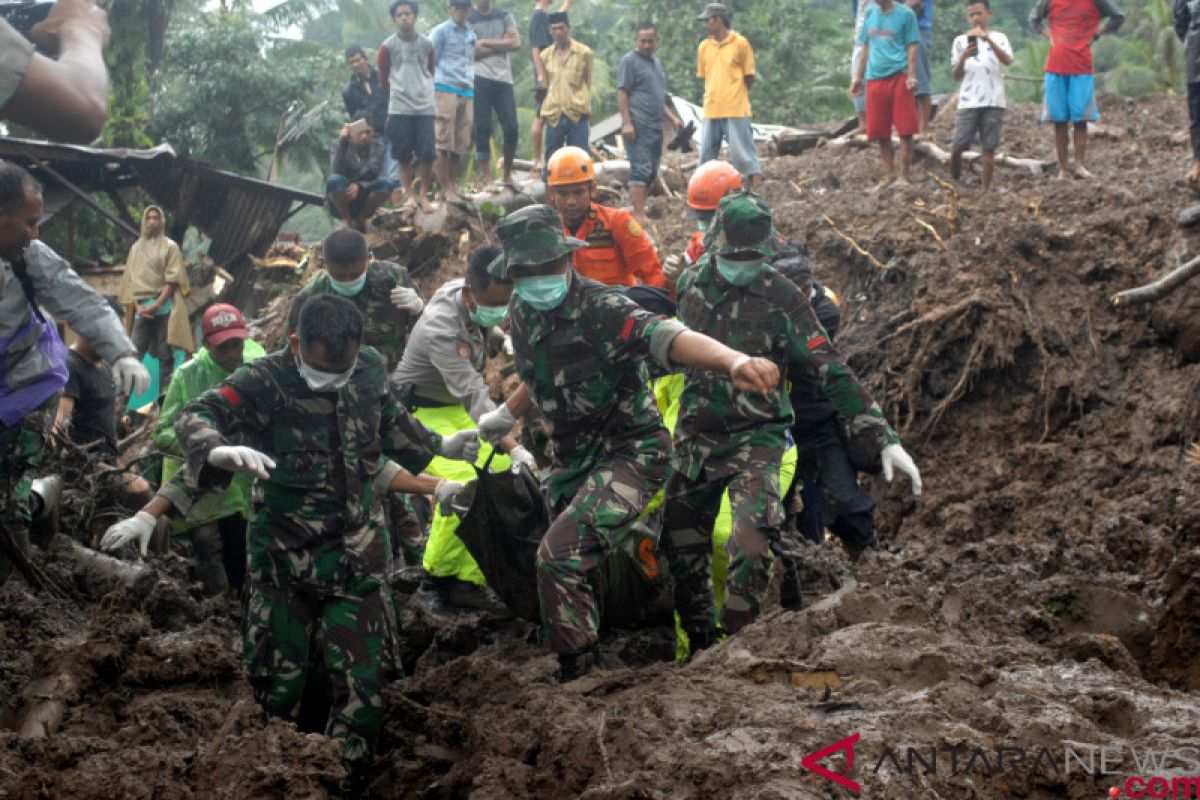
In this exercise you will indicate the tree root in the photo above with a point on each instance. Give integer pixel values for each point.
(1158, 289)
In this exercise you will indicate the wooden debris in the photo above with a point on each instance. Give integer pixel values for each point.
(858, 248)
(1157, 290)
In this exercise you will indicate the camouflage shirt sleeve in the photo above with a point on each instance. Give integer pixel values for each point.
(631, 330)
(808, 344)
(405, 440)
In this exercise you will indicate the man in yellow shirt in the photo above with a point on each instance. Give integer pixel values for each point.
(725, 61)
(567, 108)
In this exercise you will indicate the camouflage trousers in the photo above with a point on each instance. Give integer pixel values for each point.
(595, 522)
(691, 511)
(22, 448)
(352, 615)
(408, 540)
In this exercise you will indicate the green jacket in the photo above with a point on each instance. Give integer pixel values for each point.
(190, 381)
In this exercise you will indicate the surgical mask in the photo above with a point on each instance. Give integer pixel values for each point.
(349, 288)
(702, 225)
(489, 316)
(543, 292)
(321, 381)
(739, 273)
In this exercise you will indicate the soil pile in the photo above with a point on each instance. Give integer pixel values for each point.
(1037, 603)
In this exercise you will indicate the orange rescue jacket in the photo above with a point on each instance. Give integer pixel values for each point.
(618, 252)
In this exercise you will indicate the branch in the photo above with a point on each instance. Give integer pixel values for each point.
(1156, 290)
(858, 248)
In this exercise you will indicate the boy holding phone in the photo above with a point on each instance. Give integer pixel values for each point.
(976, 59)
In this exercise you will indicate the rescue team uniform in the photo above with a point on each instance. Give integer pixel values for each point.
(618, 252)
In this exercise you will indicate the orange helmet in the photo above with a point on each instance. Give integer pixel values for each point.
(712, 181)
(569, 165)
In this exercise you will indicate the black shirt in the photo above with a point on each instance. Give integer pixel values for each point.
(367, 96)
(94, 418)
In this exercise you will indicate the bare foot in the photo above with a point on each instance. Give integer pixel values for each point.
(410, 204)
(1083, 172)
(426, 206)
(1063, 175)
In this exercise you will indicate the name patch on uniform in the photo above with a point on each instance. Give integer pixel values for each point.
(813, 344)
(602, 237)
(231, 396)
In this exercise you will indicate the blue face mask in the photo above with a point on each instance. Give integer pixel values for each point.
(349, 288)
(543, 292)
(739, 273)
(489, 316)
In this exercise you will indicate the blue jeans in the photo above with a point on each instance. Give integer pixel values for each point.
(736, 130)
(566, 134)
(645, 153)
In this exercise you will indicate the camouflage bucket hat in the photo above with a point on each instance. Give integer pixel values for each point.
(498, 269)
(533, 235)
(744, 220)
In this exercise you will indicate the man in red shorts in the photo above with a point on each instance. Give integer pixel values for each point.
(889, 39)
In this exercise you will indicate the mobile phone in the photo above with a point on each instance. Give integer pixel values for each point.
(972, 41)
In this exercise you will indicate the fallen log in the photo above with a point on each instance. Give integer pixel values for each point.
(1158, 289)
(99, 574)
(931, 150)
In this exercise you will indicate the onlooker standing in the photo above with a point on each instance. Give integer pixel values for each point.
(976, 59)
(642, 100)
(725, 61)
(889, 63)
(406, 71)
(498, 36)
(358, 184)
(924, 11)
(454, 88)
(539, 40)
(154, 273)
(1187, 27)
(567, 66)
(365, 94)
(1069, 93)
(859, 12)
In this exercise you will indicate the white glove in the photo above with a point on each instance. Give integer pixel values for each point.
(138, 528)
(407, 299)
(445, 492)
(507, 345)
(894, 457)
(461, 446)
(131, 376)
(241, 459)
(495, 424)
(522, 458)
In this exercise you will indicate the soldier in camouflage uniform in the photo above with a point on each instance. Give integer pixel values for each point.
(390, 304)
(581, 352)
(325, 439)
(727, 440)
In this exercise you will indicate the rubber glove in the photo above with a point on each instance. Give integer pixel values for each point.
(407, 299)
(138, 528)
(445, 492)
(894, 457)
(461, 446)
(237, 458)
(523, 458)
(131, 376)
(495, 424)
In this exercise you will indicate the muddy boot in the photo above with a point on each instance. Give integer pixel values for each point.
(45, 503)
(854, 550)
(210, 569)
(572, 666)
(702, 640)
(433, 596)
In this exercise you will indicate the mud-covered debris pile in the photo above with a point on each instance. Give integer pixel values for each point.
(1037, 601)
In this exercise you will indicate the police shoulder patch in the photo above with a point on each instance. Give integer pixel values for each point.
(463, 349)
(635, 228)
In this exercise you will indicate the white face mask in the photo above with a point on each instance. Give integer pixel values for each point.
(321, 381)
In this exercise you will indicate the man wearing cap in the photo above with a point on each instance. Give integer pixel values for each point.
(218, 522)
(454, 44)
(618, 252)
(582, 351)
(725, 440)
(725, 61)
(567, 108)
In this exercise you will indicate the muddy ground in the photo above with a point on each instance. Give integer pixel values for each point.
(1040, 596)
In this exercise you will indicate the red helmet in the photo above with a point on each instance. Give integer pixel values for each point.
(712, 181)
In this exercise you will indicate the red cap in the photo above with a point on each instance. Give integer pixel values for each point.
(222, 322)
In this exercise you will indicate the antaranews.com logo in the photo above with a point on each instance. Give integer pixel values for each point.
(1135, 772)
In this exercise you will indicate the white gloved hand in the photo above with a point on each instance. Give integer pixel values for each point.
(894, 457)
(522, 458)
(507, 345)
(237, 458)
(445, 492)
(138, 528)
(461, 446)
(131, 376)
(495, 424)
(407, 299)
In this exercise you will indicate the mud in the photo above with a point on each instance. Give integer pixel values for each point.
(1040, 595)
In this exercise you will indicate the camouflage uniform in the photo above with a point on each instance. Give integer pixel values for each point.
(728, 439)
(386, 329)
(585, 364)
(317, 558)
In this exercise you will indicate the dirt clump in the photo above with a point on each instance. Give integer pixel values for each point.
(1036, 604)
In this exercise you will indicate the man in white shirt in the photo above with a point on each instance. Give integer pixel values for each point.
(977, 59)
